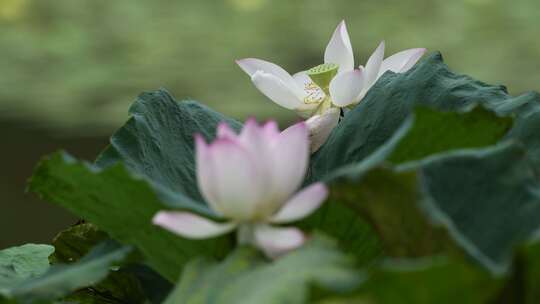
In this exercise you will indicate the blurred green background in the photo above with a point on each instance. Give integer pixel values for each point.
(70, 69)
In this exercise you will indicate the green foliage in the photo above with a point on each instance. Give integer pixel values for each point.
(424, 281)
(130, 283)
(26, 276)
(63, 279)
(435, 132)
(430, 163)
(76, 241)
(391, 101)
(105, 196)
(246, 277)
(531, 270)
(18, 264)
(402, 228)
(157, 143)
(488, 217)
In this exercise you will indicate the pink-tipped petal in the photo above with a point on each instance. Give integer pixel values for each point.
(205, 173)
(402, 61)
(224, 131)
(345, 88)
(270, 129)
(302, 204)
(190, 225)
(253, 138)
(274, 88)
(251, 133)
(321, 126)
(275, 242)
(236, 178)
(373, 65)
(253, 65)
(339, 50)
(290, 156)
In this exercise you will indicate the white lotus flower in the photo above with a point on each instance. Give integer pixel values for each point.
(334, 84)
(250, 179)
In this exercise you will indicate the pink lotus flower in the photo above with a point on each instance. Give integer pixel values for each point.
(250, 179)
(334, 84)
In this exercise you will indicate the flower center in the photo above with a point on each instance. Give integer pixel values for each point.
(323, 74)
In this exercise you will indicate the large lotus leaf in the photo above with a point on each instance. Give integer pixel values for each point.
(488, 198)
(123, 206)
(467, 210)
(157, 143)
(388, 200)
(246, 277)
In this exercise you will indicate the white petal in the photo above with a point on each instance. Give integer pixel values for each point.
(302, 204)
(373, 66)
(339, 50)
(401, 62)
(345, 88)
(321, 126)
(190, 225)
(275, 242)
(290, 160)
(276, 90)
(235, 180)
(302, 79)
(253, 65)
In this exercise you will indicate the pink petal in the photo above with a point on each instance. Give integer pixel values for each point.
(234, 179)
(224, 131)
(289, 161)
(190, 225)
(320, 127)
(275, 242)
(339, 50)
(401, 62)
(257, 141)
(270, 129)
(275, 89)
(373, 66)
(302, 204)
(205, 173)
(345, 88)
(252, 133)
(253, 65)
